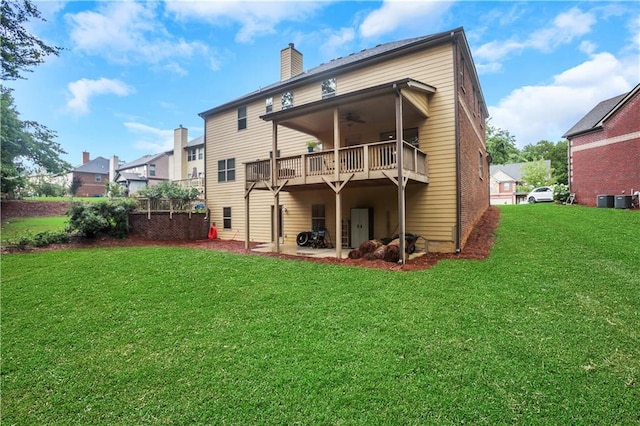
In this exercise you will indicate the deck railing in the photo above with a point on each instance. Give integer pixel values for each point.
(376, 156)
(169, 205)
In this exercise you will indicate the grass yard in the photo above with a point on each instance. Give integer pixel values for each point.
(545, 331)
(15, 227)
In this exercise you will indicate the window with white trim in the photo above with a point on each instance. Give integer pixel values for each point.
(242, 118)
(329, 88)
(226, 217)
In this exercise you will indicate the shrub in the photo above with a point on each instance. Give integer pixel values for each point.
(169, 190)
(41, 239)
(561, 192)
(108, 217)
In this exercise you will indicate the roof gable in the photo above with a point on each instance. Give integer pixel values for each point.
(513, 170)
(595, 118)
(358, 59)
(97, 165)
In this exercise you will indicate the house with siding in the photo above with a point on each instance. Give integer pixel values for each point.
(401, 136)
(186, 160)
(145, 171)
(604, 149)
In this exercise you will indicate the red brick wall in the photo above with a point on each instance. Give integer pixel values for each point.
(474, 188)
(179, 227)
(90, 187)
(612, 168)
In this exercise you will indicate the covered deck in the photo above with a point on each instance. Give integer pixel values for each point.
(369, 162)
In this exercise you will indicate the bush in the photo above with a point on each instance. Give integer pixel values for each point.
(169, 190)
(561, 192)
(42, 239)
(104, 217)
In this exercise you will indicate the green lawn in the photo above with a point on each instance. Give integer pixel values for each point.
(545, 331)
(15, 227)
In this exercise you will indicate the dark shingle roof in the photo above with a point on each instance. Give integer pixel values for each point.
(593, 117)
(97, 165)
(335, 64)
(146, 159)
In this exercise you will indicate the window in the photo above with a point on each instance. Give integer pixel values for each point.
(506, 186)
(191, 155)
(269, 105)
(227, 170)
(242, 118)
(226, 217)
(480, 165)
(409, 135)
(317, 217)
(287, 100)
(152, 169)
(200, 153)
(98, 178)
(463, 65)
(329, 88)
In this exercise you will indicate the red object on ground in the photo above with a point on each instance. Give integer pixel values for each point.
(213, 232)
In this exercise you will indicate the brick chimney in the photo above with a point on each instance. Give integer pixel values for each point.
(290, 62)
(85, 157)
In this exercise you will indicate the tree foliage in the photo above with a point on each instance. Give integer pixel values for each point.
(536, 174)
(23, 143)
(501, 145)
(21, 51)
(26, 143)
(546, 150)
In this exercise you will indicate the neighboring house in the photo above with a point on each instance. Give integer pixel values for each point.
(93, 174)
(145, 171)
(504, 179)
(186, 160)
(604, 149)
(416, 103)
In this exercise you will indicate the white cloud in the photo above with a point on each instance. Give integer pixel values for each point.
(254, 17)
(566, 27)
(127, 31)
(400, 13)
(334, 42)
(150, 139)
(83, 90)
(534, 113)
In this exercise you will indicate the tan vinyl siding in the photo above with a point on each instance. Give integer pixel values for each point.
(431, 209)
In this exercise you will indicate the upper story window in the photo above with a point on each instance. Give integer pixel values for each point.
(152, 169)
(481, 165)
(242, 118)
(191, 155)
(287, 100)
(409, 135)
(329, 88)
(98, 178)
(200, 153)
(268, 105)
(227, 170)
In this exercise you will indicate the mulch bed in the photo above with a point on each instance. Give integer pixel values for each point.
(478, 244)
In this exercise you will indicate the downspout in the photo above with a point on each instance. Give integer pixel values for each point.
(456, 81)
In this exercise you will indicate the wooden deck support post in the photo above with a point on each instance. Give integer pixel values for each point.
(401, 185)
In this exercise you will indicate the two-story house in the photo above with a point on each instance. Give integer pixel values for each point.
(401, 130)
(604, 149)
(186, 160)
(504, 180)
(93, 175)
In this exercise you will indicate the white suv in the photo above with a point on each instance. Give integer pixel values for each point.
(544, 193)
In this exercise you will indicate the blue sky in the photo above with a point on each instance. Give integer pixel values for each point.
(131, 72)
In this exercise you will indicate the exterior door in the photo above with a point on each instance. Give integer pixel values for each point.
(361, 226)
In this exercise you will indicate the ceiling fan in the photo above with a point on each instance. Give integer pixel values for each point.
(353, 118)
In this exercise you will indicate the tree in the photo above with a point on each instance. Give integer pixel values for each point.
(76, 183)
(21, 51)
(501, 145)
(545, 150)
(535, 174)
(23, 142)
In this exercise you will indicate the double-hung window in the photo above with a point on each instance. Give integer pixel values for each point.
(191, 155)
(242, 118)
(227, 170)
(226, 217)
(329, 88)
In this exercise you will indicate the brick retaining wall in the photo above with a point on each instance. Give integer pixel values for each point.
(161, 226)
